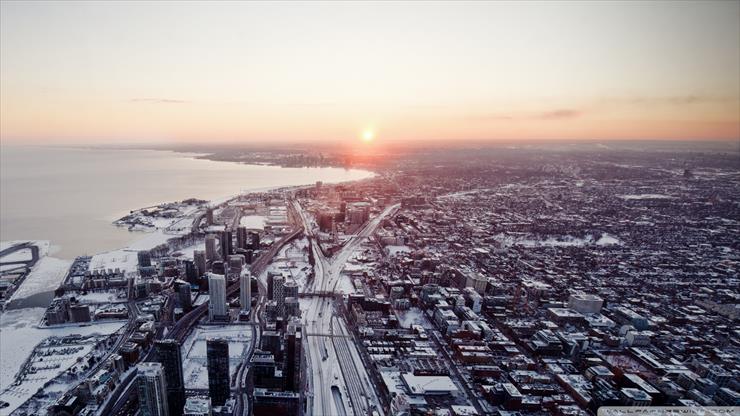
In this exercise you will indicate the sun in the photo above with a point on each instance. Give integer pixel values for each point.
(368, 136)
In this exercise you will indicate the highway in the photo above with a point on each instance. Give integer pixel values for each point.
(327, 354)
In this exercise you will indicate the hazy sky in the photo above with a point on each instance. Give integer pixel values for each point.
(135, 71)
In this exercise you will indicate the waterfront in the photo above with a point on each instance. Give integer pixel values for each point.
(70, 196)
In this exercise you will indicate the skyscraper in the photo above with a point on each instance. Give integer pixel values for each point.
(199, 258)
(169, 355)
(245, 291)
(144, 258)
(152, 389)
(217, 308)
(241, 237)
(278, 293)
(255, 240)
(211, 253)
(226, 244)
(185, 297)
(217, 354)
(293, 354)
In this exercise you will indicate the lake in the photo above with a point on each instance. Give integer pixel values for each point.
(70, 196)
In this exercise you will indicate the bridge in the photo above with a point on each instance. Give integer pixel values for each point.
(319, 294)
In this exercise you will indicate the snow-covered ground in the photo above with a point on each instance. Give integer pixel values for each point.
(46, 275)
(121, 259)
(645, 196)
(413, 316)
(194, 359)
(19, 335)
(187, 252)
(393, 250)
(110, 296)
(253, 221)
(563, 241)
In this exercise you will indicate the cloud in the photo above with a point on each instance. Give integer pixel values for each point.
(555, 114)
(690, 99)
(157, 101)
(559, 114)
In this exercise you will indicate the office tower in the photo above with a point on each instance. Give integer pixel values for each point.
(209, 216)
(245, 292)
(217, 308)
(270, 342)
(226, 244)
(278, 293)
(264, 371)
(218, 267)
(217, 355)
(191, 273)
(270, 285)
(152, 389)
(236, 264)
(169, 355)
(197, 406)
(145, 258)
(293, 353)
(271, 311)
(292, 308)
(199, 258)
(211, 253)
(241, 237)
(255, 240)
(186, 297)
(290, 289)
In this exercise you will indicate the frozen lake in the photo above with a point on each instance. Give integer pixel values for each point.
(70, 196)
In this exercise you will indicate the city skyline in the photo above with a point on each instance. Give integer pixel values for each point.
(407, 72)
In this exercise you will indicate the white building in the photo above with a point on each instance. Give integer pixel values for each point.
(585, 303)
(477, 281)
(217, 308)
(245, 291)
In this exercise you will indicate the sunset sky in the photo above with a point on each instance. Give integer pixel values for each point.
(225, 72)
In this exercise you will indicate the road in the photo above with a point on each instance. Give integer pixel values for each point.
(337, 368)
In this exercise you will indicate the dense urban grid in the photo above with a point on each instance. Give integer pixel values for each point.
(481, 282)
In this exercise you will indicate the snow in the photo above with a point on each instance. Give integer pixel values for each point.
(121, 259)
(43, 245)
(413, 316)
(393, 250)
(18, 337)
(188, 252)
(46, 275)
(562, 241)
(253, 221)
(152, 240)
(100, 297)
(645, 196)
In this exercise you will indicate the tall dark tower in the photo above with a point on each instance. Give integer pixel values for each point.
(169, 355)
(217, 354)
(241, 237)
(293, 354)
(255, 237)
(226, 244)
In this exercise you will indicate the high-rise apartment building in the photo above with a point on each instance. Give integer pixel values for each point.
(218, 310)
